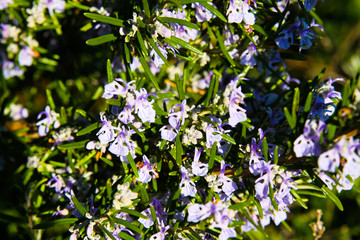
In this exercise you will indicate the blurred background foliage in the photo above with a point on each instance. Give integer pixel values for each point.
(338, 51)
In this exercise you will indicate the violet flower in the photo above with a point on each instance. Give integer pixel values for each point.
(50, 119)
(168, 133)
(123, 145)
(26, 56)
(199, 169)
(117, 87)
(187, 186)
(146, 172)
(248, 56)
(202, 14)
(228, 186)
(239, 11)
(106, 133)
(143, 107)
(199, 212)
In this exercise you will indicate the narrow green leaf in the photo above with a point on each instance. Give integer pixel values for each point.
(228, 138)
(132, 164)
(333, 197)
(256, 226)
(185, 45)
(55, 223)
(246, 34)
(100, 40)
(179, 21)
(265, 147)
(127, 53)
(142, 43)
(128, 225)
(133, 213)
(289, 118)
(166, 95)
(125, 236)
(298, 198)
(73, 145)
(259, 29)
(223, 48)
(241, 205)
(144, 195)
(276, 155)
(146, 8)
(79, 206)
(157, 50)
(105, 19)
(179, 84)
(88, 129)
(295, 105)
(148, 73)
(272, 198)
(78, 5)
(115, 102)
(213, 10)
(109, 71)
(308, 101)
(153, 213)
(212, 155)
(107, 161)
(179, 150)
(311, 193)
(210, 91)
(50, 99)
(107, 232)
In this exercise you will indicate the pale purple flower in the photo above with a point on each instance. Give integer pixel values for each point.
(123, 145)
(187, 186)
(248, 56)
(106, 133)
(51, 118)
(213, 134)
(168, 133)
(203, 14)
(239, 11)
(143, 107)
(230, 38)
(308, 143)
(177, 118)
(329, 160)
(228, 186)
(237, 113)
(199, 169)
(26, 56)
(146, 172)
(222, 221)
(4, 4)
(146, 222)
(310, 4)
(53, 5)
(199, 212)
(327, 180)
(160, 235)
(126, 116)
(117, 87)
(156, 58)
(17, 112)
(10, 69)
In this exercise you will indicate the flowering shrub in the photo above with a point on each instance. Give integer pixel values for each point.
(185, 122)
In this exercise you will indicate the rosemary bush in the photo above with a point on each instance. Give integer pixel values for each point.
(172, 119)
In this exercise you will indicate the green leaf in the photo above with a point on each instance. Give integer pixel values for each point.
(109, 71)
(107, 232)
(291, 121)
(142, 43)
(50, 99)
(223, 48)
(184, 45)
(179, 21)
(78, 5)
(132, 164)
(125, 236)
(179, 86)
(295, 105)
(100, 40)
(228, 138)
(259, 29)
(146, 8)
(107, 161)
(115, 102)
(128, 225)
(55, 223)
(333, 197)
(213, 10)
(276, 155)
(241, 205)
(210, 92)
(308, 101)
(133, 213)
(105, 19)
(79, 206)
(166, 95)
(157, 50)
(212, 155)
(88, 129)
(148, 73)
(179, 150)
(298, 198)
(246, 34)
(73, 145)
(265, 149)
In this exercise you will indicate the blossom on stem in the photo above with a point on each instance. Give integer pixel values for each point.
(143, 107)
(199, 169)
(117, 87)
(187, 186)
(51, 118)
(239, 11)
(106, 133)
(146, 172)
